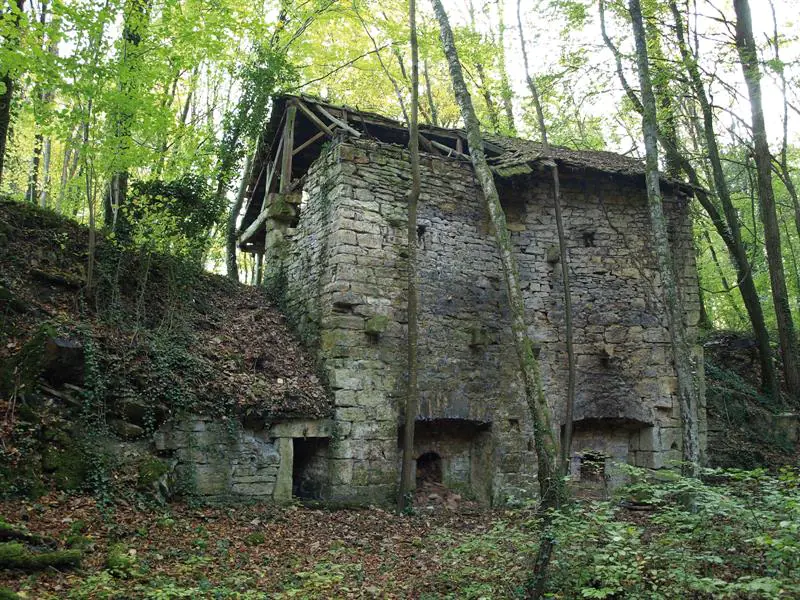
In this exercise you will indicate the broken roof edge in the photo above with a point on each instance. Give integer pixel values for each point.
(319, 122)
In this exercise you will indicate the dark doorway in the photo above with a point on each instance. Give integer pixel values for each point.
(429, 468)
(593, 467)
(310, 468)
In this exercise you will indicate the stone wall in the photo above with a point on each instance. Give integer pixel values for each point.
(225, 461)
(343, 276)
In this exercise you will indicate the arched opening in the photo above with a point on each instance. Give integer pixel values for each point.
(429, 468)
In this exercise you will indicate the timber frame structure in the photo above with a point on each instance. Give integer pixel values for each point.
(300, 125)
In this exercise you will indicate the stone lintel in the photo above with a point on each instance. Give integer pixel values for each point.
(306, 428)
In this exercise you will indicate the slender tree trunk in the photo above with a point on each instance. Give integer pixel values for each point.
(231, 230)
(723, 279)
(259, 270)
(45, 191)
(491, 106)
(729, 227)
(62, 182)
(412, 393)
(748, 56)
(429, 94)
(33, 178)
(7, 97)
(566, 441)
(550, 485)
(133, 28)
(687, 392)
(506, 93)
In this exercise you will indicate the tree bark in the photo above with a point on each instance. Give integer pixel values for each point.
(687, 392)
(7, 98)
(33, 177)
(566, 441)
(45, 191)
(231, 231)
(550, 485)
(748, 56)
(506, 93)
(429, 93)
(117, 195)
(412, 393)
(729, 227)
(731, 234)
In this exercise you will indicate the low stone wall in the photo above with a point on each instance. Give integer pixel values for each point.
(225, 461)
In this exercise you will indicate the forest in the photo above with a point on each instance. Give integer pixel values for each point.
(137, 324)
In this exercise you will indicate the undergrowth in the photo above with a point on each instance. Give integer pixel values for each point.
(739, 538)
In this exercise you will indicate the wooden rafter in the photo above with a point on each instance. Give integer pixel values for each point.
(254, 226)
(288, 148)
(338, 121)
(308, 142)
(314, 118)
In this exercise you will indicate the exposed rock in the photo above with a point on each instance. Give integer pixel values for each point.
(125, 430)
(63, 361)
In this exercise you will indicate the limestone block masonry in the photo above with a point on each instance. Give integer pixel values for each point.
(223, 461)
(342, 273)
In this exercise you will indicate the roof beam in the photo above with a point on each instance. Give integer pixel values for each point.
(338, 122)
(308, 142)
(254, 227)
(314, 118)
(288, 148)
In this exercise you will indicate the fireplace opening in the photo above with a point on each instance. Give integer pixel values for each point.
(429, 468)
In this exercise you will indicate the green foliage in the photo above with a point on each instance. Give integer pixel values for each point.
(120, 562)
(734, 537)
(174, 217)
(490, 565)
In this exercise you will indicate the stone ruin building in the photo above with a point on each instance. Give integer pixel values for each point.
(327, 212)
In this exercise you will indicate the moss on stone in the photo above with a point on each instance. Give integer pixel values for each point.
(281, 210)
(67, 467)
(149, 471)
(14, 555)
(376, 325)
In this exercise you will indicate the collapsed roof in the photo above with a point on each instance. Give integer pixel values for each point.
(304, 123)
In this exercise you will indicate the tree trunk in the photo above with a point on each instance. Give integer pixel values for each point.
(726, 286)
(550, 485)
(7, 97)
(31, 195)
(491, 107)
(429, 93)
(729, 228)
(62, 182)
(231, 230)
(45, 191)
(117, 195)
(566, 441)
(407, 473)
(732, 234)
(687, 392)
(506, 93)
(748, 56)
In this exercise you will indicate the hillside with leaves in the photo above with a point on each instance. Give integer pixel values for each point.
(153, 336)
